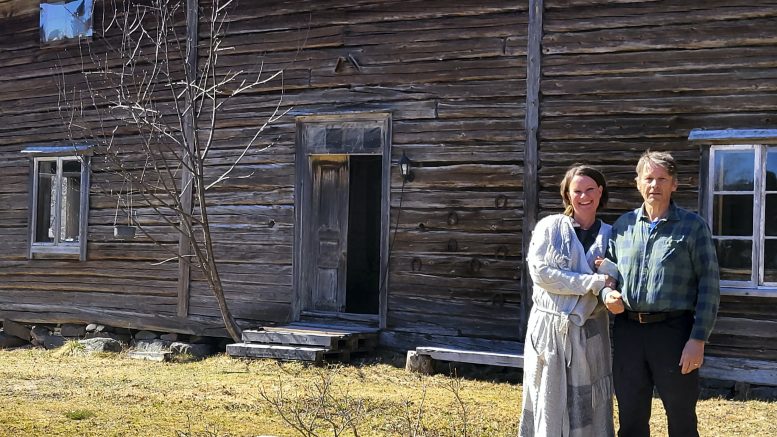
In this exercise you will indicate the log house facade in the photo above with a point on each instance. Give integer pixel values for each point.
(491, 100)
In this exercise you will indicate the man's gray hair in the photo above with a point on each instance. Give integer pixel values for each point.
(661, 159)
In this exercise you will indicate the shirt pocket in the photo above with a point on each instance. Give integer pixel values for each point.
(672, 249)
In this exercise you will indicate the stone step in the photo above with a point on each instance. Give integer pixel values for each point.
(281, 352)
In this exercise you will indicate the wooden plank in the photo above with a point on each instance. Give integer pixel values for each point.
(187, 178)
(729, 136)
(746, 327)
(564, 17)
(740, 369)
(165, 322)
(475, 357)
(457, 266)
(531, 154)
(335, 327)
(708, 34)
(276, 351)
(292, 337)
(674, 60)
(397, 340)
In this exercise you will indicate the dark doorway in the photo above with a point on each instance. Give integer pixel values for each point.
(363, 273)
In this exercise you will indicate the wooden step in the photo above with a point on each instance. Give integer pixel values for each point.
(334, 328)
(284, 336)
(281, 352)
(491, 358)
(290, 353)
(306, 341)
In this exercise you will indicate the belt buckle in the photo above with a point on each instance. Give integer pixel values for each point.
(640, 315)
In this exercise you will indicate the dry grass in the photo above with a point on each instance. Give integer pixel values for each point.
(49, 394)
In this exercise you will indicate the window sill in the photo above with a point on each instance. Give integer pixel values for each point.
(55, 252)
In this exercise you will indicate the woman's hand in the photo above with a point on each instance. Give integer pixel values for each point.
(610, 282)
(598, 261)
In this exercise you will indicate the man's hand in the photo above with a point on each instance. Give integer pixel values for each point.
(614, 302)
(692, 357)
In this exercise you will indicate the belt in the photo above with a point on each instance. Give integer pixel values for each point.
(655, 317)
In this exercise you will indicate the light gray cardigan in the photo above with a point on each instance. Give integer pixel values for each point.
(563, 273)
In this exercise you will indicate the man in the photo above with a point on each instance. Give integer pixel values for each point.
(666, 305)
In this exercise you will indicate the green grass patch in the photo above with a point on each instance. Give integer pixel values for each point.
(79, 414)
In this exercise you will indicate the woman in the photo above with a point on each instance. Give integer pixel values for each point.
(567, 377)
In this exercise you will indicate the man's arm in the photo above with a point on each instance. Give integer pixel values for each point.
(705, 266)
(611, 297)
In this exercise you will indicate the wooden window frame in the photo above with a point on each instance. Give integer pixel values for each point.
(58, 249)
(761, 142)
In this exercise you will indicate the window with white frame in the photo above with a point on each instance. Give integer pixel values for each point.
(58, 205)
(741, 207)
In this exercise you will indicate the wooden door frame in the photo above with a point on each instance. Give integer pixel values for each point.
(302, 200)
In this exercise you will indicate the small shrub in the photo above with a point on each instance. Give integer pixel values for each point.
(79, 414)
(70, 349)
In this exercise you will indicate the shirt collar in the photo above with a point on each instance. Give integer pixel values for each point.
(671, 214)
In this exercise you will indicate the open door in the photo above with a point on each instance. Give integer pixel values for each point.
(342, 203)
(329, 239)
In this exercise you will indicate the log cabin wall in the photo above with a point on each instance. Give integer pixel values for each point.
(453, 80)
(620, 77)
(117, 285)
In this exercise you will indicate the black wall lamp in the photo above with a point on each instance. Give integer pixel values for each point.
(404, 168)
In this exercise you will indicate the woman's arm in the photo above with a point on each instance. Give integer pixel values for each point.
(551, 278)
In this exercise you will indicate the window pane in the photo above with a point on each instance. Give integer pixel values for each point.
(733, 170)
(316, 138)
(734, 257)
(771, 170)
(72, 167)
(334, 138)
(352, 140)
(372, 138)
(44, 207)
(70, 209)
(65, 19)
(47, 167)
(770, 216)
(732, 215)
(770, 261)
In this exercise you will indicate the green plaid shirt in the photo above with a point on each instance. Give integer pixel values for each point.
(673, 267)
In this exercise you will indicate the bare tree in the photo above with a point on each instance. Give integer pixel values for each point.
(318, 408)
(149, 97)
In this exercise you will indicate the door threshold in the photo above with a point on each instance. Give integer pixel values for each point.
(332, 315)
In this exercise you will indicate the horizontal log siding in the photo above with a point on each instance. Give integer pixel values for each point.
(622, 77)
(453, 79)
(120, 283)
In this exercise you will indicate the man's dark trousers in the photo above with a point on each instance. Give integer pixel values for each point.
(647, 355)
